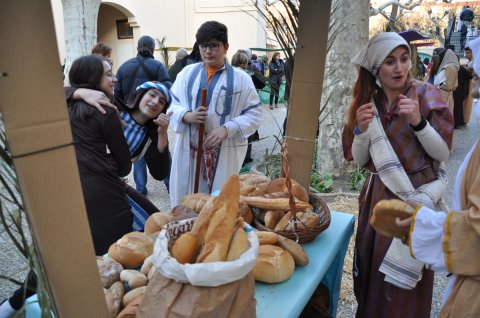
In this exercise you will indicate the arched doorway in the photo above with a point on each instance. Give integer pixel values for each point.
(118, 29)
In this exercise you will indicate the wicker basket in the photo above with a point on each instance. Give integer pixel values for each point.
(306, 234)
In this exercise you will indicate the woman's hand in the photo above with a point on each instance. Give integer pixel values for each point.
(408, 107)
(93, 97)
(364, 116)
(215, 137)
(162, 121)
(198, 116)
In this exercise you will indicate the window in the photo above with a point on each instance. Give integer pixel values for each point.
(124, 30)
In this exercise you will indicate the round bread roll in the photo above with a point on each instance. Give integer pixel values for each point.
(132, 249)
(384, 214)
(181, 212)
(156, 222)
(253, 184)
(195, 201)
(279, 185)
(273, 265)
(109, 270)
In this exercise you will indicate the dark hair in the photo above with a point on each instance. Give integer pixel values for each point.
(133, 105)
(102, 49)
(254, 56)
(193, 57)
(426, 60)
(364, 89)
(467, 49)
(86, 72)
(146, 46)
(212, 30)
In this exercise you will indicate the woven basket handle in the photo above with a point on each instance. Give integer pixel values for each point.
(288, 182)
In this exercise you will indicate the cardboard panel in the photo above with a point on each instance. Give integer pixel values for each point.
(37, 127)
(306, 90)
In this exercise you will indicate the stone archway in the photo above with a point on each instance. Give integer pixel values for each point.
(123, 46)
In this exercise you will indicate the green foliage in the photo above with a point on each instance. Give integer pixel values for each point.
(321, 183)
(164, 56)
(357, 179)
(273, 165)
(12, 217)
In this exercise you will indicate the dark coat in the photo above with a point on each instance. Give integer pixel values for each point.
(276, 71)
(156, 71)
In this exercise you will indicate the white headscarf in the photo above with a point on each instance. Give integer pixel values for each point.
(372, 55)
(475, 46)
(449, 59)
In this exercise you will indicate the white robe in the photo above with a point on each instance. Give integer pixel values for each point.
(242, 121)
(428, 233)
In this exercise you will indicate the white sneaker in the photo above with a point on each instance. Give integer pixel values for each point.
(6, 311)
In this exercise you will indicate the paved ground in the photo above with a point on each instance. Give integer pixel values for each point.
(11, 264)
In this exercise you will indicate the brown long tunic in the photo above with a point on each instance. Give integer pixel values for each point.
(375, 297)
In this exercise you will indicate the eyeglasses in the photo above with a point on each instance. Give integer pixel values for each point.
(213, 46)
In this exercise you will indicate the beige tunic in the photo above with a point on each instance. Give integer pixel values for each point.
(460, 244)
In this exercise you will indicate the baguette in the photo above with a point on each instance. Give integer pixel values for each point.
(238, 246)
(220, 229)
(201, 223)
(271, 218)
(296, 250)
(185, 248)
(267, 238)
(280, 204)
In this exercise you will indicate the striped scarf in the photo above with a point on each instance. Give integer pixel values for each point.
(135, 135)
(400, 268)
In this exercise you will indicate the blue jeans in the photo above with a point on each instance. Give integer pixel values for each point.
(140, 176)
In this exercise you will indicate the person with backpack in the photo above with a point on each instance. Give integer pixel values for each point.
(132, 73)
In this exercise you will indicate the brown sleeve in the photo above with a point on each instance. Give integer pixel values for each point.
(69, 92)
(112, 130)
(434, 109)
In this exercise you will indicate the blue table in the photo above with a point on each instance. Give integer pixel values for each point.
(287, 299)
(326, 254)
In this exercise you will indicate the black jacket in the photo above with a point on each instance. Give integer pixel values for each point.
(155, 71)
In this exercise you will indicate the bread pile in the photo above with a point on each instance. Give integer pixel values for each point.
(277, 257)
(217, 234)
(123, 288)
(274, 207)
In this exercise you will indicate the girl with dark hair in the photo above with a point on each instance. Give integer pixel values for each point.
(93, 133)
(145, 125)
(400, 130)
(107, 206)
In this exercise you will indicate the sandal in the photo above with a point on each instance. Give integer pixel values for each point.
(271, 107)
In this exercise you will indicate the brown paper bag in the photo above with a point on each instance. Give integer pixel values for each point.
(166, 298)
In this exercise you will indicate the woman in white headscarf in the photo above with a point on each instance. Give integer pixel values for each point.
(418, 128)
(446, 75)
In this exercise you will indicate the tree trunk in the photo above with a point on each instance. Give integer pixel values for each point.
(80, 22)
(340, 77)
